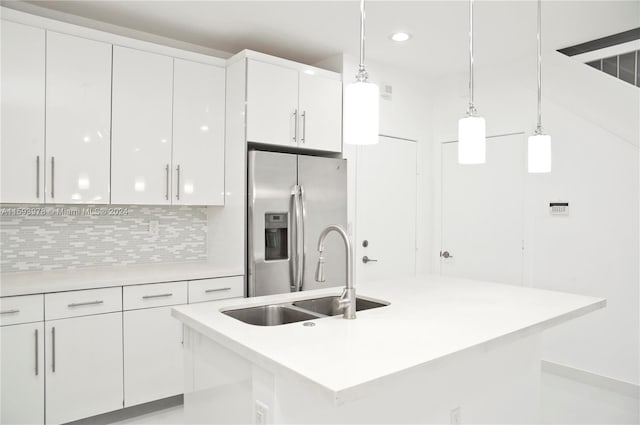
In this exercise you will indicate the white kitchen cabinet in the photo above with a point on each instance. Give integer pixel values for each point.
(320, 113)
(198, 133)
(78, 119)
(141, 125)
(84, 366)
(153, 355)
(22, 377)
(23, 91)
(272, 104)
(293, 107)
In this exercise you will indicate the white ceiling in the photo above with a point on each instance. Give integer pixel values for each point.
(310, 31)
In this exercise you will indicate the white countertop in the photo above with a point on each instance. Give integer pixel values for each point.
(24, 283)
(429, 318)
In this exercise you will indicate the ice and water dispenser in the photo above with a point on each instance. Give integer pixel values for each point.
(276, 241)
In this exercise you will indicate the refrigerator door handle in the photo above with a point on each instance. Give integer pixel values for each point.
(293, 244)
(301, 253)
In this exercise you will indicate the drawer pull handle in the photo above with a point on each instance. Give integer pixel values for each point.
(147, 297)
(97, 302)
(208, 291)
(14, 311)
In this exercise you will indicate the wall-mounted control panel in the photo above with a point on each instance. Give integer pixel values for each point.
(559, 208)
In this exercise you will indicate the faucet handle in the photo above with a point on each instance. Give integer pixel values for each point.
(320, 277)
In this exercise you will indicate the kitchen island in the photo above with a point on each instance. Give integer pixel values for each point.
(445, 350)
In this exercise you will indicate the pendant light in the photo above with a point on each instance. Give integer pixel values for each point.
(539, 145)
(361, 102)
(472, 141)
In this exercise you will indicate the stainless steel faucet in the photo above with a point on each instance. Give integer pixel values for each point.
(347, 301)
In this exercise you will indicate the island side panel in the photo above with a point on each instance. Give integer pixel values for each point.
(218, 383)
(495, 384)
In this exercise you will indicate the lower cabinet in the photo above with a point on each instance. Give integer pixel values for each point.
(84, 366)
(153, 363)
(22, 377)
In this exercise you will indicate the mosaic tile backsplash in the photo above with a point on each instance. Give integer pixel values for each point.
(63, 237)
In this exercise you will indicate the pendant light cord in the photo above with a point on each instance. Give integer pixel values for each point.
(362, 75)
(539, 126)
(472, 109)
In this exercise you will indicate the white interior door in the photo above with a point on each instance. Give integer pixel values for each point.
(483, 212)
(386, 210)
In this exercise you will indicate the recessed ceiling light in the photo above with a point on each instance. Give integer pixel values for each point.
(400, 36)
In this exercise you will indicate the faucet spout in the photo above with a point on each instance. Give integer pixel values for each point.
(347, 300)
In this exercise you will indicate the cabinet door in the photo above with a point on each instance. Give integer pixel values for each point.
(141, 145)
(153, 355)
(78, 120)
(22, 144)
(320, 113)
(198, 133)
(84, 366)
(272, 104)
(22, 378)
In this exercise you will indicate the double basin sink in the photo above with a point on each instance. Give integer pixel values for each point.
(296, 311)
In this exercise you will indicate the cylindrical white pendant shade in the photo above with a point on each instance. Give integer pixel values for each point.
(539, 153)
(472, 140)
(361, 113)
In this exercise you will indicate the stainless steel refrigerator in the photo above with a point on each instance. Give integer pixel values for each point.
(292, 198)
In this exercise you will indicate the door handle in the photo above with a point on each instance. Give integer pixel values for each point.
(445, 254)
(37, 371)
(366, 260)
(166, 192)
(53, 175)
(304, 127)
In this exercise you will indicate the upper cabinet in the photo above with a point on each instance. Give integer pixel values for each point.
(272, 104)
(320, 112)
(141, 123)
(22, 139)
(198, 133)
(293, 108)
(78, 119)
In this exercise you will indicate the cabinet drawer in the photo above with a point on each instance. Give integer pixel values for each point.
(155, 295)
(22, 309)
(216, 289)
(82, 303)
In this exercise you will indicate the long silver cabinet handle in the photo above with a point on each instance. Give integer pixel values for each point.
(12, 311)
(96, 302)
(148, 297)
(295, 126)
(38, 177)
(208, 291)
(53, 174)
(166, 193)
(37, 371)
(178, 183)
(53, 349)
(304, 127)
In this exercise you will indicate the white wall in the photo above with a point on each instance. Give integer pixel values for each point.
(594, 121)
(405, 115)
